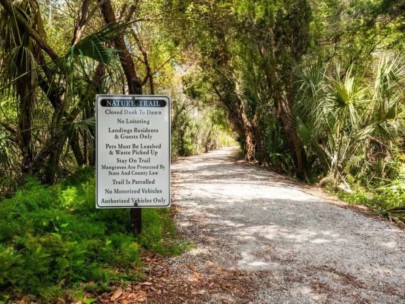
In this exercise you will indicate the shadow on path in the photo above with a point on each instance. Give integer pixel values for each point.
(295, 247)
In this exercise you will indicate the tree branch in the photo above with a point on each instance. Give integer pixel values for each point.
(81, 23)
(31, 32)
(163, 64)
(128, 65)
(8, 128)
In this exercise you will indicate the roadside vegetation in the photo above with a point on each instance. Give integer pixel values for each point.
(313, 89)
(53, 243)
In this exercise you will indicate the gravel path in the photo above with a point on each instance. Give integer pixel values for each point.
(260, 238)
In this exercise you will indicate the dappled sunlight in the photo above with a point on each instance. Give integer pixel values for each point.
(239, 192)
(252, 262)
(199, 250)
(273, 232)
(389, 244)
(260, 221)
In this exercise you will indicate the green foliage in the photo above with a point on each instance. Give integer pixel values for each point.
(388, 199)
(52, 238)
(92, 46)
(351, 124)
(199, 130)
(159, 233)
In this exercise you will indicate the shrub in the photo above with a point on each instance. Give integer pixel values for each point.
(388, 199)
(52, 238)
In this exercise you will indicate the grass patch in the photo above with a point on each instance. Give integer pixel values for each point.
(52, 239)
(387, 199)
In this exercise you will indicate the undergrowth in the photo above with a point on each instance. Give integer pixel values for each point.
(53, 240)
(386, 199)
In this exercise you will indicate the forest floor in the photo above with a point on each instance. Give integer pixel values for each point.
(263, 238)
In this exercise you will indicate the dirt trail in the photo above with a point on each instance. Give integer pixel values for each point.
(260, 238)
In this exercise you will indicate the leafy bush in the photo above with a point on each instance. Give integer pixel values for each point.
(387, 199)
(200, 131)
(53, 237)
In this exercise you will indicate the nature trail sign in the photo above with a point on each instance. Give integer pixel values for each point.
(133, 151)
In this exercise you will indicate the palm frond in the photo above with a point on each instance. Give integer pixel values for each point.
(94, 45)
(7, 158)
(85, 126)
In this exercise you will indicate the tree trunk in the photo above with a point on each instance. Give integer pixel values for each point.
(96, 85)
(250, 139)
(134, 87)
(250, 146)
(74, 142)
(292, 139)
(128, 65)
(57, 142)
(26, 102)
(260, 148)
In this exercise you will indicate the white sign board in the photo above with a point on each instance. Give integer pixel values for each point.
(133, 151)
